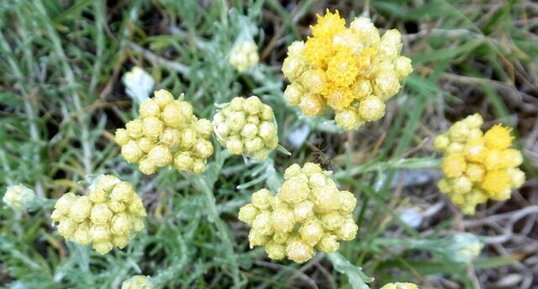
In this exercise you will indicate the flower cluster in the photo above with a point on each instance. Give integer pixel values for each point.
(307, 212)
(352, 70)
(244, 55)
(167, 133)
(107, 217)
(399, 285)
(18, 196)
(478, 166)
(246, 126)
(137, 282)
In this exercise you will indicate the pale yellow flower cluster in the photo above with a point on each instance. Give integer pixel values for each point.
(478, 166)
(352, 70)
(18, 196)
(167, 133)
(307, 212)
(244, 55)
(399, 285)
(107, 217)
(137, 282)
(246, 126)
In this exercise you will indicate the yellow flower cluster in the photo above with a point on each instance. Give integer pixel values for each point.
(107, 217)
(352, 70)
(246, 126)
(137, 282)
(244, 55)
(167, 133)
(18, 196)
(307, 212)
(399, 285)
(478, 166)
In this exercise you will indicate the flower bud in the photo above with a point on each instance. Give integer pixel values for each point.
(298, 251)
(372, 108)
(248, 213)
(328, 243)
(18, 196)
(275, 251)
(137, 282)
(149, 107)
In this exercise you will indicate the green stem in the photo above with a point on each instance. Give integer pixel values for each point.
(412, 163)
(357, 278)
(222, 230)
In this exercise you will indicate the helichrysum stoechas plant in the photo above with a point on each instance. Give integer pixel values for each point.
(478, 166)
(307, 213)
(18, 197)
(351, 69)
(137, 282)
(399, 285)
(246, 126)
(166, 133)
(107, 217)
(244, 55)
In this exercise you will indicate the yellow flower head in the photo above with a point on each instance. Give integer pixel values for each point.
(246, 126)
(307, 213)
(137, 282)
(399, 285)
(167, 133)
(478, 166)
(107, 217)
(347, 69)
(498, 137)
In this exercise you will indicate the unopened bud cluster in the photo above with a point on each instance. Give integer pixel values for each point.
(353, 70)
(244, 55)
(478, 166)
(246, 126)
(307, 213)
(400, 285)
(137, 282)
(107, 217)
(18, 196)
(166, 133)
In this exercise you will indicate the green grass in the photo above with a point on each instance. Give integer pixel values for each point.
(61, 64)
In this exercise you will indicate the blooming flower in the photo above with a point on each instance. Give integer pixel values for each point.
(399, 285)
(247, 127)
(138, 83)
(18, 196)
(352, 70)
(244, 55)
(107, 217)
(166, 133)
(137, 282)
(307, 213)
(478, 166)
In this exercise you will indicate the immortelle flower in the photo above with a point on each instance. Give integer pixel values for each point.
(307, 213)
(478, 166)
(137, 282)
(244, 55)
(246, 126)
(399, 285)
(166, 133)
(18, 197)
(352, 70)
(107, 217)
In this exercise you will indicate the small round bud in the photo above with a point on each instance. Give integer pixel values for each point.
(160, 156)
(371, 108)
(163, 97)
(149, 107)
